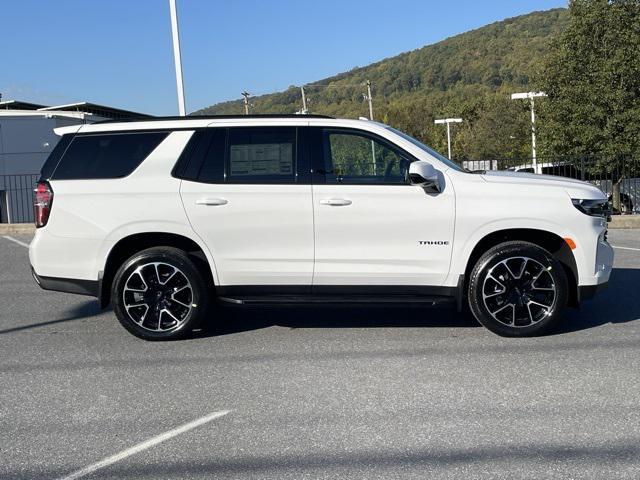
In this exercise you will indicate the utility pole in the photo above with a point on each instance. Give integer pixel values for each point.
(304, 101)
(531, 96)
(246, 94)
(448, 122)
(370, 99)
(177, 59)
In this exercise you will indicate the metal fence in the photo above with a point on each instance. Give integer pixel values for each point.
(618, 177)
(16, 197)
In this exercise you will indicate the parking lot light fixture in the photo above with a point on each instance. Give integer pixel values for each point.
(531, 96)
(448, 122)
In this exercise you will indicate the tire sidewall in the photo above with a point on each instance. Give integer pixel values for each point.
(502, 252)
(173, 257)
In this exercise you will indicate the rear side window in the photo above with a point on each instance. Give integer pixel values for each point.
(261, 155)
(112, 155)
(54, 157)
(212, 169)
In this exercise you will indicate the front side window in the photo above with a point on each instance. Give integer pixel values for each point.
(112, 155)
(353, 158)
(429, 150)
(261, 155)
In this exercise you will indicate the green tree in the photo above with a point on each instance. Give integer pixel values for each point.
(592, 77)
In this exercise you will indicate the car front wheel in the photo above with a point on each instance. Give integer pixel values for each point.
(518, 289)
(159, 294)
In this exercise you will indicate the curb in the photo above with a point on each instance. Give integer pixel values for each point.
(17, 228)
(624, 221)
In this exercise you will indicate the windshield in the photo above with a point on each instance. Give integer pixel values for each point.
(430, 151)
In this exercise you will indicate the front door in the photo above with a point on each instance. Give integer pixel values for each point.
(371, 226)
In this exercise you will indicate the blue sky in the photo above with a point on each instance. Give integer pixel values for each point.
(118, 52)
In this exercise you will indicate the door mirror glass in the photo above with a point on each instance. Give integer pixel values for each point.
(424, 175)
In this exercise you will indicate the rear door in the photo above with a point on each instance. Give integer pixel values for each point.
(246, 195)
(372, 227)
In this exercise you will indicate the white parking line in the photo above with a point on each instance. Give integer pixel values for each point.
(15, 240)
(626, 248)
(144, 445)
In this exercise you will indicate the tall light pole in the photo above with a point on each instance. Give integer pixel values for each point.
(448, 122)
(304, 101)
(369, 98)
(177, 59)
(531, 96)
(246, 94)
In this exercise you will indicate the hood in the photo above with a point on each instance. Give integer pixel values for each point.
(574, 188)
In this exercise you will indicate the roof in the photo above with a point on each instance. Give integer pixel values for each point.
(180, 125)
(187, 123)
(101, 110)
(219, 117)
(18, 105)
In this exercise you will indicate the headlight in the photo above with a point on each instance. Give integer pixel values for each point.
(593, 208)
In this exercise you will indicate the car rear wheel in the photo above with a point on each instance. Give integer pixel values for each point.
(518, 289)
(159, 294)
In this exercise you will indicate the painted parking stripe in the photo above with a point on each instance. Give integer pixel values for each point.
(626, 248)
(15, 240)
(144, 445)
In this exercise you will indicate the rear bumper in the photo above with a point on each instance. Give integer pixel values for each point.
(68, 285)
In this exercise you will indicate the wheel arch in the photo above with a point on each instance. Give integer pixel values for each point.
(550, 241)
(131, 244)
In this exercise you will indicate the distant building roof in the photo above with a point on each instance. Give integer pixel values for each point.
(102, 110)
(18, 105)
(85, 107)
(84, 117)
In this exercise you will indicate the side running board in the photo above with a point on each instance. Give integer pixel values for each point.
(336, 299)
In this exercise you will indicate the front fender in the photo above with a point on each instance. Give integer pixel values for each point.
(464, 247)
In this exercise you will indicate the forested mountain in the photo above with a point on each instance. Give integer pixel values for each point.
(469, 75)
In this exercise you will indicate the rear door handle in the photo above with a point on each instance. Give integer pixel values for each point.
(336, 202)
(212, 201)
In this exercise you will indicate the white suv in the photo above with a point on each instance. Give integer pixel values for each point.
(160, 217)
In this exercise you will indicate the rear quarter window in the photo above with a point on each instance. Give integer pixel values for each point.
(54, 157)
(112, 155)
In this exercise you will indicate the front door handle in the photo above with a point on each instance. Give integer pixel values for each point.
(211, 201)
(336, 202)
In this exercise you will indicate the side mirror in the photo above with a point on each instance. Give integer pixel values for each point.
(424, 175)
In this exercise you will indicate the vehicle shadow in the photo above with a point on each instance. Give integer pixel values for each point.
(243, 318)
(86, 309)
(619, 303)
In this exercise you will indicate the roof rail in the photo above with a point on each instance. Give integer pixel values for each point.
(211, 117)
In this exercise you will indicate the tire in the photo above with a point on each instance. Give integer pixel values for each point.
(518, 289)
(159, 294)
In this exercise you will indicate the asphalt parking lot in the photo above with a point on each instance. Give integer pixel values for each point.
(308, 392)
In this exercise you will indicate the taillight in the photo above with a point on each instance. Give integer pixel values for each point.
(42, 204)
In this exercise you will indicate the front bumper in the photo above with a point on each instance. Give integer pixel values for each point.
(603, 268)
(587, 292)
(68, 285)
